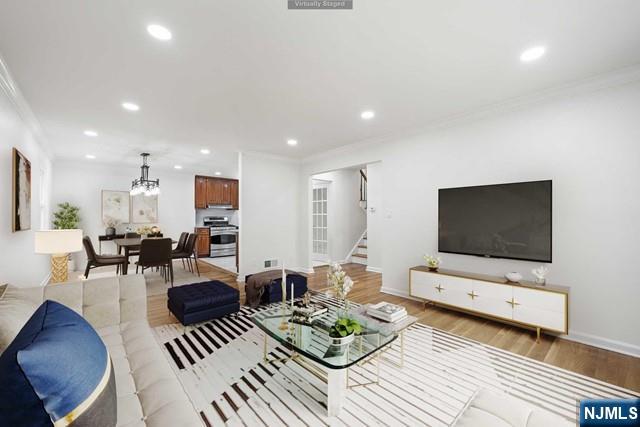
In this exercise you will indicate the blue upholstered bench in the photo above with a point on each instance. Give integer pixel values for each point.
(273, 292)
(198, 302)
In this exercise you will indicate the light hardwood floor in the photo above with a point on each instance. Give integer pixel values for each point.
(605, 365)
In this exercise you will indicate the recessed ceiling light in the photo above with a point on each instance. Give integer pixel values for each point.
(367, 115)
(177, 167)
(532, 53)
(90, 156)
(91, 133)
(159, 32)
(218, 173)
(205, 151)
(292, 142)
(130, 106)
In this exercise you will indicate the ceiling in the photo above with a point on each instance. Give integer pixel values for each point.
(250, 74)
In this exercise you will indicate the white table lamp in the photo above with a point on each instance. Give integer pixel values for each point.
(59, 244)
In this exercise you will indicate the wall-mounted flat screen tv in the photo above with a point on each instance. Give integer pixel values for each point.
(503, 221)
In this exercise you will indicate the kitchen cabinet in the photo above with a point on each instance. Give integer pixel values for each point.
(212, 191)
(203, 241)
(201, 192)
(234, 198)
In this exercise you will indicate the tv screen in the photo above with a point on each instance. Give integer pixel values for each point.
(504, 221)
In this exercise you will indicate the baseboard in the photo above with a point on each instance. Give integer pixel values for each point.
(398, 293)
(588, 339)
(604, 343)
(374, 269)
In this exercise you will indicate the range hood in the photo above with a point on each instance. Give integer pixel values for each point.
(228, 207)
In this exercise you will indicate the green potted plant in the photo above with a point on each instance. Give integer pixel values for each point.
(67, 218)
(344, 330)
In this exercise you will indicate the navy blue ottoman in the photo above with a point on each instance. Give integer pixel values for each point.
(273, 292)
(203, 301)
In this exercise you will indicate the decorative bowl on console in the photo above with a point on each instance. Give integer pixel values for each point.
(432, 262)
(513, 276)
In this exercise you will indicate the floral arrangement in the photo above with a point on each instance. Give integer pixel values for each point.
(339, 281)
(147, 229)
(432, 262)
(344, 327)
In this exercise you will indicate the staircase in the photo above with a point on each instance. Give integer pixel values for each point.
(359, 255)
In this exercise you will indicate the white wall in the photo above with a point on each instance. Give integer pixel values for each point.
(588, 143)
(268, 212)
(81, 184)
(19, 265)
(346, 220)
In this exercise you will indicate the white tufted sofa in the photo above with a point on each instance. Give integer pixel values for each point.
(149, 393)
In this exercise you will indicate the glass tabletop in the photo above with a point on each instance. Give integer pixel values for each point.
(311, 339)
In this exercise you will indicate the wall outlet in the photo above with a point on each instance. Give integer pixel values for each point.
(270, 263)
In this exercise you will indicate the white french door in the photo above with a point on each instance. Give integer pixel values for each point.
(320, 232)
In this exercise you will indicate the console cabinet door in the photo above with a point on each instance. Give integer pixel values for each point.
(540, 308)
(456, 291)
(493, 299)
(423, 285)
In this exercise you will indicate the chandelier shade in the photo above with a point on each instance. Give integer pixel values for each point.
(144, 185)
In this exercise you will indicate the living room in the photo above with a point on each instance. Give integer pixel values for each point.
(468, 96)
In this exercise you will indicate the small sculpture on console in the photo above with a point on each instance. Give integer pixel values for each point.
(540, 273)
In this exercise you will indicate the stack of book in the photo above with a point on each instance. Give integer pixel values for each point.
(387, 312)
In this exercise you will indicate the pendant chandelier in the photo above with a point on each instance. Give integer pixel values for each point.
(144, 185)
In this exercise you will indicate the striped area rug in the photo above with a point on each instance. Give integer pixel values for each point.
(220, 366)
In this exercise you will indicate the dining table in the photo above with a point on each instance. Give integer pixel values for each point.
(129, 244)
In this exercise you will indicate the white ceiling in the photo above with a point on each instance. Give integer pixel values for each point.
(248, 75)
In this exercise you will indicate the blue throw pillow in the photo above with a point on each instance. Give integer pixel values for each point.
(57, 370)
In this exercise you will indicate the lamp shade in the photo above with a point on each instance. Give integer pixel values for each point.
(58, 241)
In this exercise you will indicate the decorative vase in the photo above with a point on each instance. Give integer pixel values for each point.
(110, 231)
(341, 341)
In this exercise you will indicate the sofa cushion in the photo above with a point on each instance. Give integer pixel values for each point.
(487, 409)
(147, 388)
(199, 296)
(57, 370)
(14, 313)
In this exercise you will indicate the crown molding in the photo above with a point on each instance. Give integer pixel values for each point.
(10, 88)
(585, 86)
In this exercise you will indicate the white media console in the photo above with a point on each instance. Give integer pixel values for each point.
(524, 303)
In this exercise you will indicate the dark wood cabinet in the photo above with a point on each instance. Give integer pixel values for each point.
(201, 192)
(216, 191)
(203, 245)
(234, 198)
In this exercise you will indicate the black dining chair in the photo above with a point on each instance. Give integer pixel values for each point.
(156, 253)
(188, 252)
(94, 260)
(182, 241)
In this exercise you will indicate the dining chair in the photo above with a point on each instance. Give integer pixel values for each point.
(94, 260)
(188, 252)
(156, 253)
(180, 248)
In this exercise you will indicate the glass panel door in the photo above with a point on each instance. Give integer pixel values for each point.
(320, 237)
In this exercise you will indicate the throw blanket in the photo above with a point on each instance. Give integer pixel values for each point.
(254, 288)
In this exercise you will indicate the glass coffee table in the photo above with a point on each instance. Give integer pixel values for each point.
(311, 347)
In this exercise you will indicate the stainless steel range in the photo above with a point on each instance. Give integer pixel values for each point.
(224, 236)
